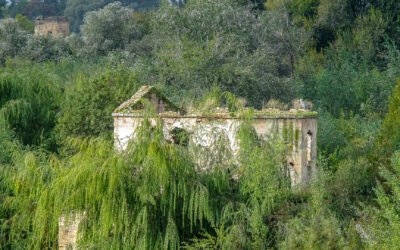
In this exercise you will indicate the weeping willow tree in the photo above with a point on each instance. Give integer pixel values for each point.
(24, 182)
(260, 190)
(7, 143)
(149, 196)
(28, 104)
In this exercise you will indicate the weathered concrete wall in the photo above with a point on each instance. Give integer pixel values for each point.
(68, 232)
(299, 134)
(300, 137)
(206, 131)
(55, 27)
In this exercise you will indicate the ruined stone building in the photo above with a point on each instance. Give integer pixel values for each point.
(205, 130)
(297, 126)
(57, 27)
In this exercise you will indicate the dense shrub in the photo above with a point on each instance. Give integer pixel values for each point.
(29, 100)
(90, 100)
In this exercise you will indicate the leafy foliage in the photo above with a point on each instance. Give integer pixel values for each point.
(315, 227)
(88, 104)
(204, 52)
(12, 39)
(36, 8)
(25, 23)
(123, 196)
(390, 137)
(110, 28)
(75, 10)
(341, 55)
(385, 229)
(28, 104)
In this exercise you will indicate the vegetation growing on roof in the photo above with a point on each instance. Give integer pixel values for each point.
(146, 92)
(216, 104)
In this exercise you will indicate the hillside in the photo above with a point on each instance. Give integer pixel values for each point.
(255, 96)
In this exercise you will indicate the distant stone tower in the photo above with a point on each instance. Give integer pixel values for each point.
(57, 27)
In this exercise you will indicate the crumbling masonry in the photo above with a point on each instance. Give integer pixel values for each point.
(297, 128)
(57, 27)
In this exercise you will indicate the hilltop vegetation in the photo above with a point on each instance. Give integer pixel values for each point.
(57, 95)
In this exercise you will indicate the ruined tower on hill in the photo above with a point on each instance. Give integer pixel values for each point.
(56, 27)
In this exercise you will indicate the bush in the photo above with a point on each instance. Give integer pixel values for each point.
(107, 29)
(383, 229)
(12, 39)
(29, 100)
(89, 102)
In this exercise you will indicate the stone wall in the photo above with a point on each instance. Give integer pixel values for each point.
(299, 131)
(57, 27)
(204, 131)
(68, 232)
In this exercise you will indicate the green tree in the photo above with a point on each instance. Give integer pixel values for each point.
(7, 143)
(35, 8)
(25, 23)
(384, 229)
(89, 102)
(12, 39)
(45, 48)
(75, 10)
(28, 104)
(107, 29)
(3, 4)
(348, 81)
(390, 134)
(125, 194)
(314, 228)
(224, 43)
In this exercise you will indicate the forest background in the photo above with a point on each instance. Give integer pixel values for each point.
(57, 95)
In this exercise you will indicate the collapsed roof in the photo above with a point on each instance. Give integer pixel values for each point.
(165, 108)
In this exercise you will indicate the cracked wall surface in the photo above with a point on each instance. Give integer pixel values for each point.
(205, 131)
(296, 128)
(68, 232)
